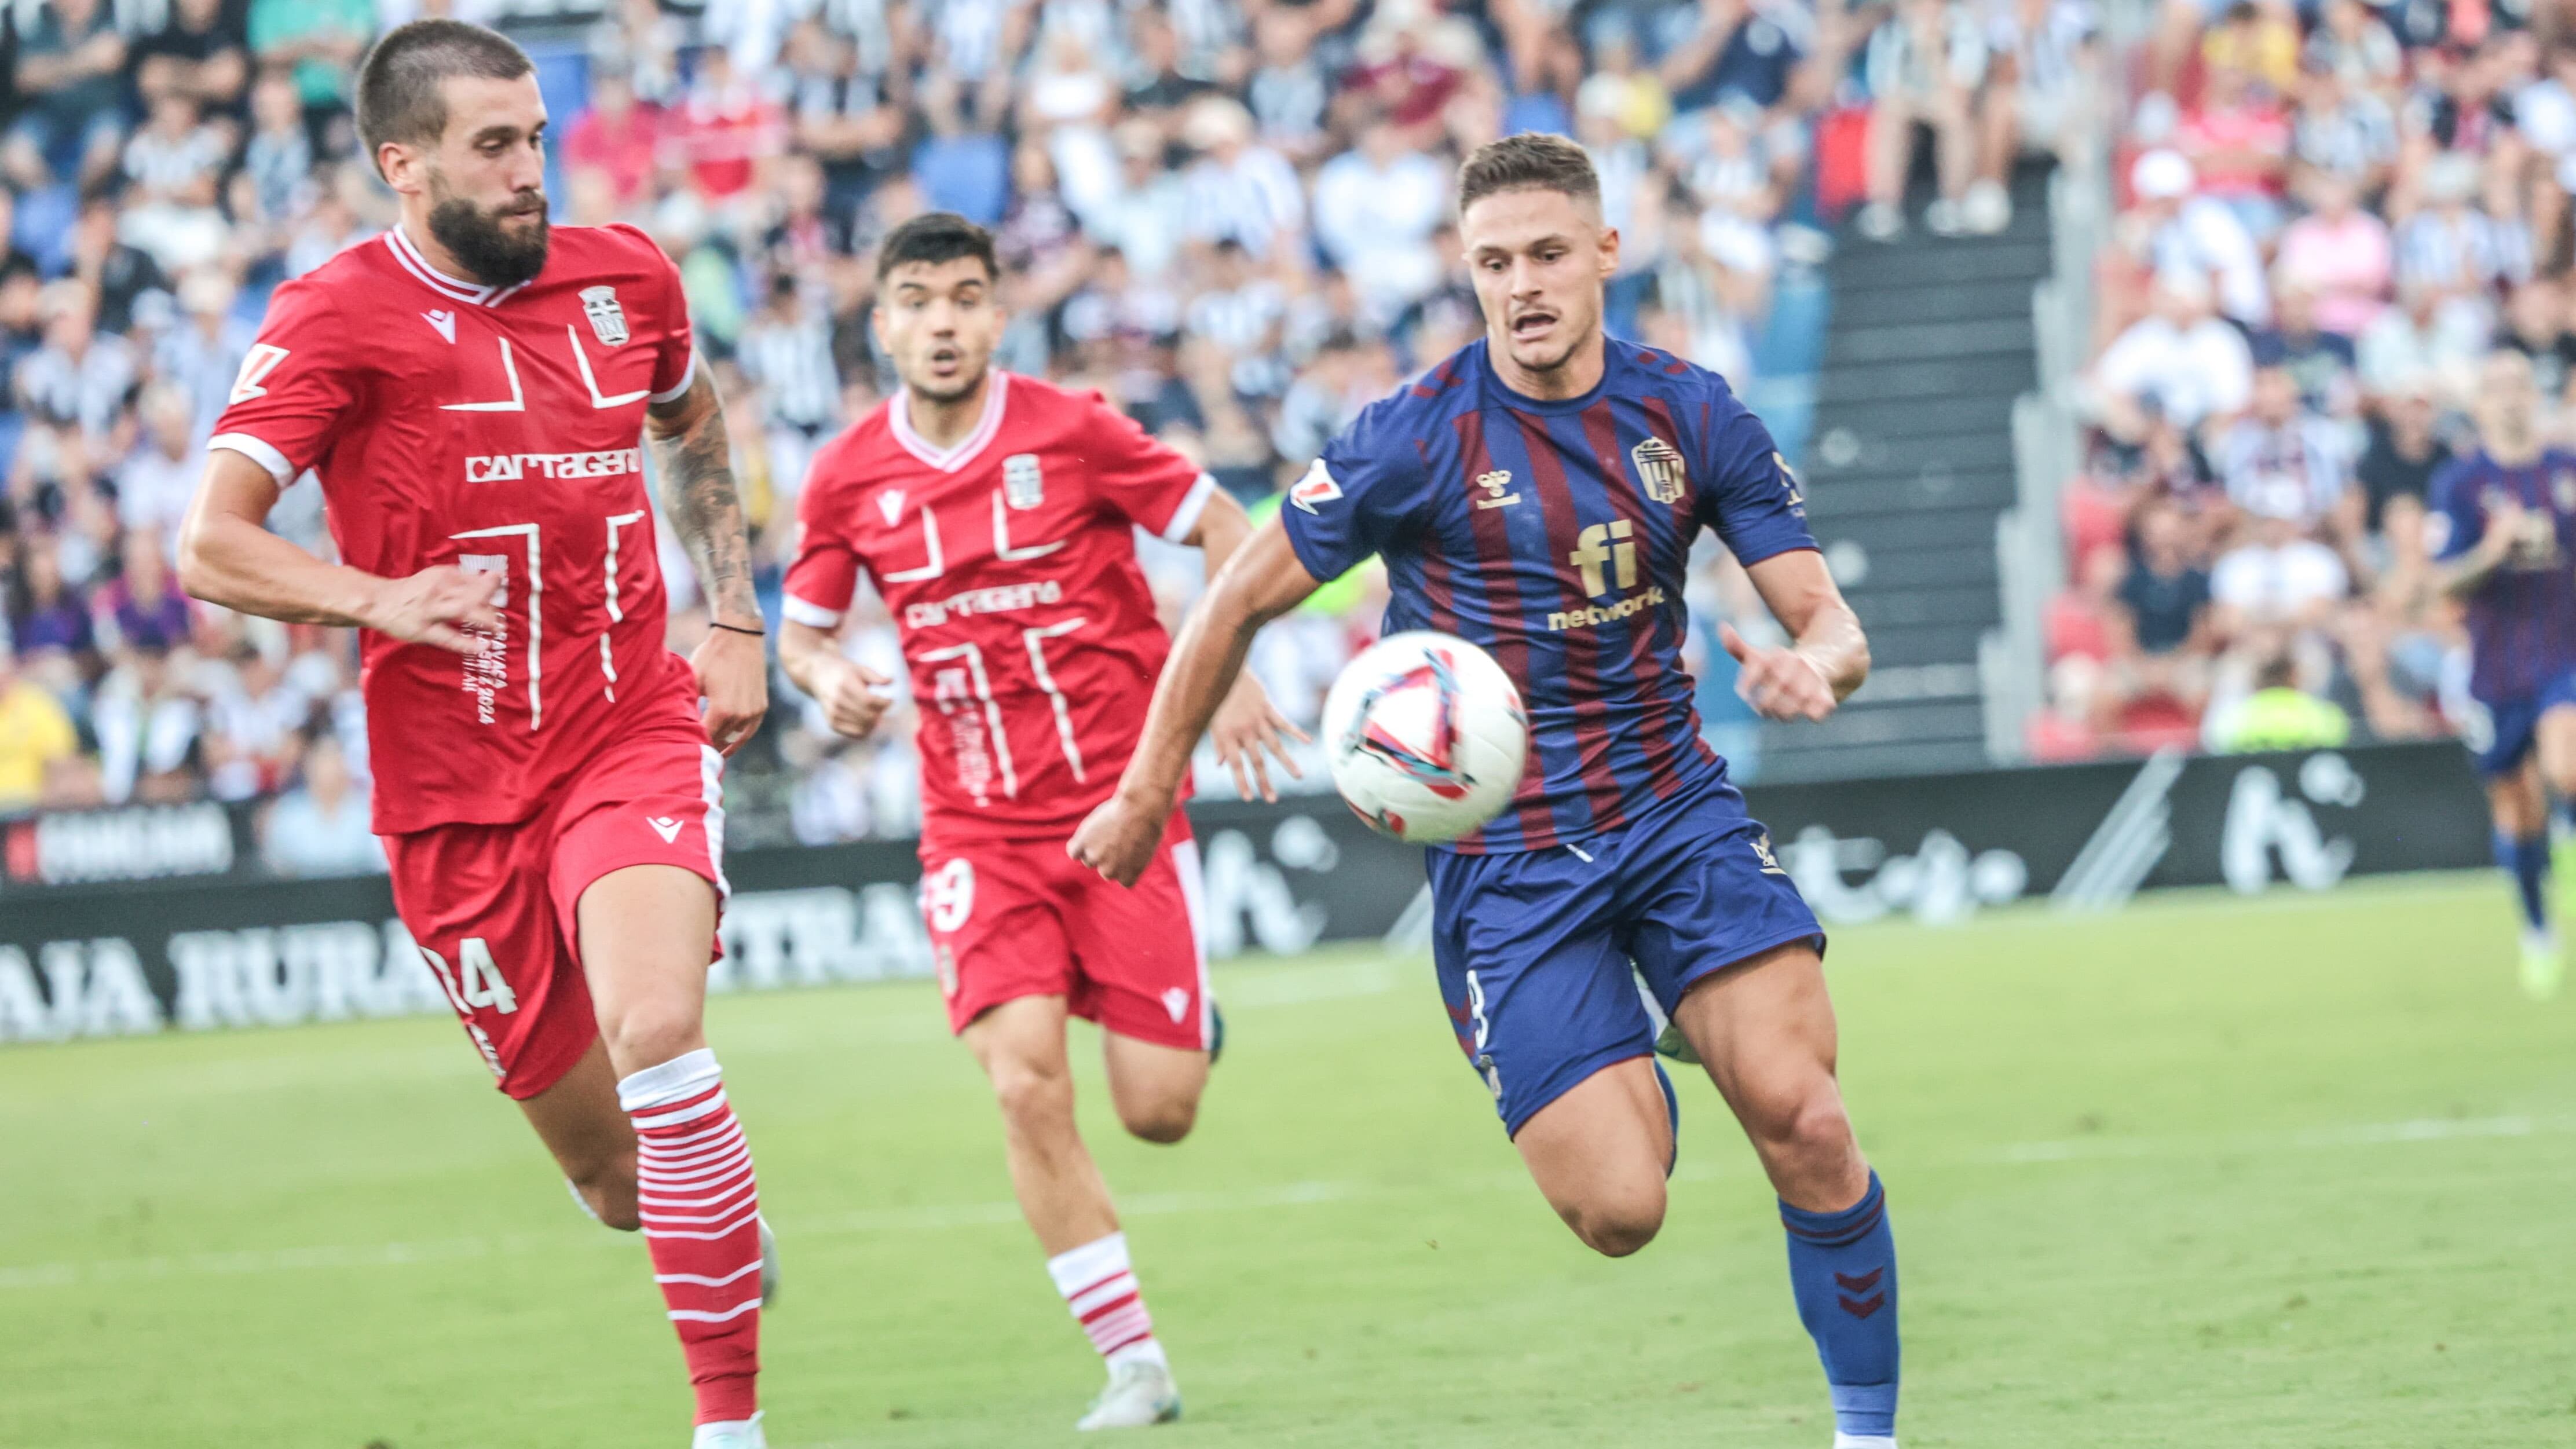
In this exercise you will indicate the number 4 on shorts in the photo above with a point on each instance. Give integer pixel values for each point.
(477, 980)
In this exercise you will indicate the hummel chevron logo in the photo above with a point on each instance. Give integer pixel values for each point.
(445, 322)
(664, 826)
(1861, 1284)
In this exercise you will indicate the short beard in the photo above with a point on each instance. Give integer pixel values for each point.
(475, 237)
(964, 389)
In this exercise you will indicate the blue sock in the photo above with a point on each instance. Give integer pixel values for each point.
(2565, 814)
(2527, 861)
(1843, 1268)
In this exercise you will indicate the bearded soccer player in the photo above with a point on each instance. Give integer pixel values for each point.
(1537, 494)
(2503, 525)
(997, 516)
(472, 390)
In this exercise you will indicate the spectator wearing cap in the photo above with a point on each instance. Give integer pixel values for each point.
(2178, 362)
(2178, 232)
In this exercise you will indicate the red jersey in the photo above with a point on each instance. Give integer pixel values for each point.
(1009, 564)
(498, 429)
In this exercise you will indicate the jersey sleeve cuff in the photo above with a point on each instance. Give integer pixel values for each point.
(1185, 519)
(688, 374)
(258, 451)
(1756, 553)
(808, 613)
(1321, 570)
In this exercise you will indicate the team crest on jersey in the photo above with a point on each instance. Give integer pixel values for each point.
(606, 317)
(1316, 487)
(1660, 469)
(1023, 486)
(1496, 485)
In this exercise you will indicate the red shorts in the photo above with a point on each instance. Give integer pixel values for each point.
(1020, 918)
(491, 906)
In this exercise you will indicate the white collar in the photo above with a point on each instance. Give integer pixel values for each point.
(414, 262)
(899, 417)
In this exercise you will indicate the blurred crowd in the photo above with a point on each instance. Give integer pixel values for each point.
(1230, 216)
(2333, 217)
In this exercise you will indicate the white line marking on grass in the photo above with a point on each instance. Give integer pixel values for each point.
(2374, 1134)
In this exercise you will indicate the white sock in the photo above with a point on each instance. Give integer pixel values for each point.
(1099, 1285)
(1863, 1441)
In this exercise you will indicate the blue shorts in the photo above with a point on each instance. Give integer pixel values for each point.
(2514, 724)
(1535, 948)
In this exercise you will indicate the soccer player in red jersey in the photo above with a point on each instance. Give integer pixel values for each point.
(472, 391)
(997, 517)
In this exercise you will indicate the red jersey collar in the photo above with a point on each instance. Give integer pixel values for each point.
(899, 418)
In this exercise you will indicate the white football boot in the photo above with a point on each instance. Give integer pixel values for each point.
(732, 1434)
(1140, 1395)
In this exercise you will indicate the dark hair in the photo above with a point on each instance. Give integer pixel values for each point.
(934, 237)
(1533, 162)
(398, 86)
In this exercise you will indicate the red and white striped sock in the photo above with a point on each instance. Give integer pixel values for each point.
(700, 1204)
(1100, 1287)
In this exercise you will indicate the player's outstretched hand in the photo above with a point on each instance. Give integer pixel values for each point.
(1247, 724)
(853, 696)
(733, 678)
(1778, 683)
(1118, 838)
(439, 606)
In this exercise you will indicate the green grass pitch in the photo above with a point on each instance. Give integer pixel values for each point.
(2284, 1172)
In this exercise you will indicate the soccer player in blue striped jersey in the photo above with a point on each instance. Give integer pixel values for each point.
(1537, 493)
(2503, 524)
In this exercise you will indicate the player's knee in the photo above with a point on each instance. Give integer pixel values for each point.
(1617, 1224)
(1165, 1119)
(649, 1033)
(1809, 1129)
(1031, 1092)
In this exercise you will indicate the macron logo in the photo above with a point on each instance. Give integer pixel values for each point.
(445, 322)
(1176, 1001)
(890, 503)
(665, 827)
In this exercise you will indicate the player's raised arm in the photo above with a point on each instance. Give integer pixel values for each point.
(1828, 656)
(695, 460)
(227, 556)
(1246, 723)
(1260, 581)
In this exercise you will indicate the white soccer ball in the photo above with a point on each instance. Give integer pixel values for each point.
(1426, 736)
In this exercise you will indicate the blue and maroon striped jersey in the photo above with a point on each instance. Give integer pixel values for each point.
(2522, 620)
(1557, 536)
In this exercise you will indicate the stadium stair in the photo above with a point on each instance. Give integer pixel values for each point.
(1909, 466)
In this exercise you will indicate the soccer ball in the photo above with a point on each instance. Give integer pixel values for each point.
(1426, 735)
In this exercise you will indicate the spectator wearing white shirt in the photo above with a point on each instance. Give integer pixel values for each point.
(2187, 232)
(154, 485)
(2432, 337)
(2277, 578)
(1376, 207)
(2178, 362)
(321, 828)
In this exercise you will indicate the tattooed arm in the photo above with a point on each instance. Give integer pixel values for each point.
(694, 459)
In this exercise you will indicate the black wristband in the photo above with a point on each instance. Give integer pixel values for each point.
(737, 629)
